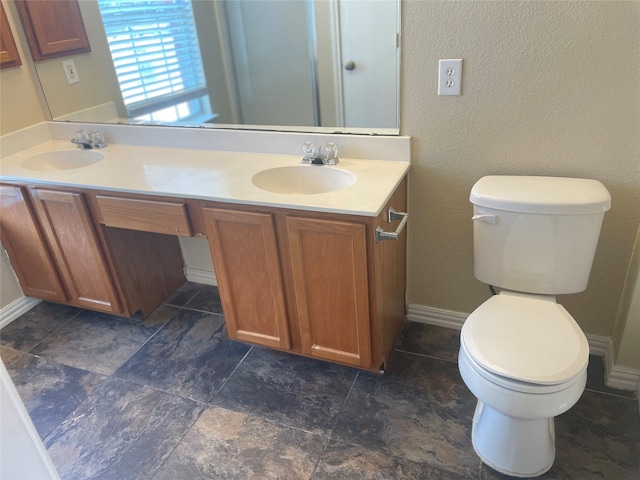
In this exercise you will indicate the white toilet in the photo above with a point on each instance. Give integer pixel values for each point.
(521, 353)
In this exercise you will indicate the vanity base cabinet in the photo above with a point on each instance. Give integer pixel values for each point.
(328, 262)
(312, 283)
(245, 257)
(24, 242)
(76, 248)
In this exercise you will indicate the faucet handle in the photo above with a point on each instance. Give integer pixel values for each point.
(331, 154)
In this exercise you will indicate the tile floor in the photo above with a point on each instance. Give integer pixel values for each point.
(171, 397)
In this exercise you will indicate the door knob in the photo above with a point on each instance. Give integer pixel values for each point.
(350, 65)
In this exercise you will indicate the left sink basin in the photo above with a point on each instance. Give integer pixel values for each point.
(62, 160)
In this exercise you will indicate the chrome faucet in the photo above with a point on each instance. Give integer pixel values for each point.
(317, 155)
(89, 140)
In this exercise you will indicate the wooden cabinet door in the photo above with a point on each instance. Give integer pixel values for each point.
(9, 56)
(22, 238)
(329, 266)
(53, 28)
(76, 247)
(245, 257)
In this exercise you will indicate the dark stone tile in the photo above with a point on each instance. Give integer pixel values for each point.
(185, 293)
(8, 355)
(207, 299)
(351, 462)
(431, 340)
(96, 341)
(595, 379)
(31, 328)
(159, 317)
(50, 391)
(122, 430)
(419, 410)
(599, 438)
(296, 391)
(191, 356)
(227, 444)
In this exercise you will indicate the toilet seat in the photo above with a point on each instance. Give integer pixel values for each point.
(526, 339)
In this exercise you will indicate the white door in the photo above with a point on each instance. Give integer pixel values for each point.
(369, 31)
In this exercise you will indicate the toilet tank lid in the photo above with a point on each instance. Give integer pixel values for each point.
(542, 195)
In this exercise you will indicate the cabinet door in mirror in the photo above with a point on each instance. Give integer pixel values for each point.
(53, 28)
(9, 56)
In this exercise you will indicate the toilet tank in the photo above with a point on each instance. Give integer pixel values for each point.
(536, 234)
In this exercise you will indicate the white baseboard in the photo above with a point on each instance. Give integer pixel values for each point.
(16, 308)
(206, 277)
(436, 316)
(616, 376)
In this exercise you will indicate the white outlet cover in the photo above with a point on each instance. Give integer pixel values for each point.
(70, 71)
(450, 76)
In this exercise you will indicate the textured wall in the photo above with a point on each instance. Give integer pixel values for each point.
(549, 88)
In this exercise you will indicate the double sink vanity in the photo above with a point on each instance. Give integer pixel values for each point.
(298, 263)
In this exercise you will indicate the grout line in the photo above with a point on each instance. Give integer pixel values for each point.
(204, 409)
(229, 376)
(80, 310)
(424, 355)
(153, 335)
(344, 402)
(611, 394)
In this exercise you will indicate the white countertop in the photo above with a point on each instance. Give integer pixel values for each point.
(211, 175)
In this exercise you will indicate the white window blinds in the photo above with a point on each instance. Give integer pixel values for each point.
(155, 52)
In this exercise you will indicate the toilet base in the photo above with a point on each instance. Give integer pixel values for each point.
(519, 447)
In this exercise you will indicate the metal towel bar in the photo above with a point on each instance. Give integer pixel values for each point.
(392, 215)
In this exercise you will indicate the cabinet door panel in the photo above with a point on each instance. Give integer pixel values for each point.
(24, 242)
(9, 56)
(53, 28)
(329, 266)
(245, 258)
(76, 247)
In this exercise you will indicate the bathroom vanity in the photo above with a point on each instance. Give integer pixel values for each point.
(297, 272)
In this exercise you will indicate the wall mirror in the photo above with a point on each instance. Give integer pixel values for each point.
(297, 65)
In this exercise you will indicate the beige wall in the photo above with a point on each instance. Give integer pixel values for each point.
(538, 98)
(20, 95)
(549, 88)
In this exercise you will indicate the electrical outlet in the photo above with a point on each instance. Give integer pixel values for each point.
(450, 76)
(70, 71)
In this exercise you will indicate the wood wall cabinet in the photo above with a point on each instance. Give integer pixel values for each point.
(9, 56)
(26, 246)
(53, 28)
(316, 284)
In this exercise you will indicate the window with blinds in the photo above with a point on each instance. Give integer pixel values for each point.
(157, 59)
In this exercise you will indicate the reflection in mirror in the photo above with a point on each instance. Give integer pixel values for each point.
(305, 65)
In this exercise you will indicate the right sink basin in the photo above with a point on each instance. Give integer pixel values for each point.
(303, 179)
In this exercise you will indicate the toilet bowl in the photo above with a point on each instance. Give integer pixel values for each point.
(525, 359)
